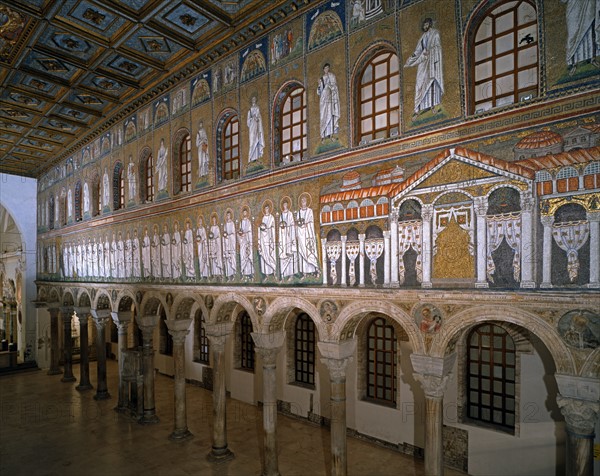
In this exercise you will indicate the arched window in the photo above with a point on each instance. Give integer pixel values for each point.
(146, 174)
(290, 124)
(491, 364)
(182, 162)
(77, 201)
(381, 361)
(246, 343)
(118, 187)
(201, 345)
(504, 56)
(378, 99)
(304, 350)
(228, 143)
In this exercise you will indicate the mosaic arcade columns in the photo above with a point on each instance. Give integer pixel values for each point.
(217, 335)
(54, 357)
(432, 373)
(336, 357)
(427, 216)
(67, 315)
(121, 320)
(147, 324)
(395, 277)
(268, 346)
(481, 205)
(101, 317)
(547, 222)
(527, 248)
(83, 314)
(594, 220)
(179, 329)
(579, 402)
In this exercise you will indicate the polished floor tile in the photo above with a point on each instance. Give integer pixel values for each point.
(49, 428)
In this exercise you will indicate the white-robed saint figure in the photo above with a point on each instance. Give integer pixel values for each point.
(165, 252)
(146, 259)
(188, 251)
(120, 257)
(329, 103)
(176, 252)
(308, 262)
(266, 243)
(202, 244)
(427, 57)
(215, 252)
(229, 243)
(256, 138)
(161, 166)
(136, 270)
(107, 257)
(155, 253)
(583, 32)
(287, 242)
(245, 241)
(128, 255)
(202, 145)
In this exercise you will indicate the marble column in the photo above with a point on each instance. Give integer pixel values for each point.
(527, 246)
(344, 261)
(147, 324)
(179, 329)
(395, 279)
(361, 260)
(216, 335)
(594, 219)
(268, 346)
(67, 315)
(54, 357)
(101, 317)
(122, 320)
(579, 402)
(84, 355)
(336, 357)
(433, 373)
(386, 258)
(324, 259)
(547, 222)
(481, 205)
(427, 216)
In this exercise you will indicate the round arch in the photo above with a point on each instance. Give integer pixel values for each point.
(459, 322)
(230, 304)
(183, 305)
(151, 303)
(279, 311)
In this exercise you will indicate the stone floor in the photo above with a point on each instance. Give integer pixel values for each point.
(49, 428)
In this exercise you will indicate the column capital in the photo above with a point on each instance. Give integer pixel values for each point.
(433, 373)
(100, 316)
(148, 322)
(480, 204)
(361, 237)
(593, 216)
(387, 234)
(527, 202)
(54, 310)
(580, 415)
(547, 220)
(121, 318)
(82, 310)
(67, 311)
(268, 345)
(179, 329)
(343, 238)
(337, 356)
(217, 334)
(394, 216)
(427, 211)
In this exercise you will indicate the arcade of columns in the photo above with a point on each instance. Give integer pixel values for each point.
(433, 358)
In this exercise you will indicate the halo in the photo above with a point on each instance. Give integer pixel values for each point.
(265, 203)
(285, 199)
(308, 199)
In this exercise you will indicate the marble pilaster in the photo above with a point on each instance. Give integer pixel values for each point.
(83, 313)
(122, 320)
(101, 317)
(179, 329)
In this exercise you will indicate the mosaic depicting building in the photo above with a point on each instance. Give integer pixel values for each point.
(381, 216)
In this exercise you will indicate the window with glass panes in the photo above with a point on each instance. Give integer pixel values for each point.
(381, 362)
(203, 349)
(149, 179)
(185, 152)
(304, 350)
(379, 98)
(293, 126)
(491, 376)
(122, 189)
(231, 149)
(505, 56)
(246, 343)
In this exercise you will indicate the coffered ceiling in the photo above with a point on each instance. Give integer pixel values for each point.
(68, 65)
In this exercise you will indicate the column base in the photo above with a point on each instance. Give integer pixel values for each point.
(527, 284)
(483, 285)
(181, 435)
(220, 455)
(84, 386)
(545, 285)
(149, 419)
(593, 285)
(102, 395)
(68, 379)
(427, 284)
(54, 372)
